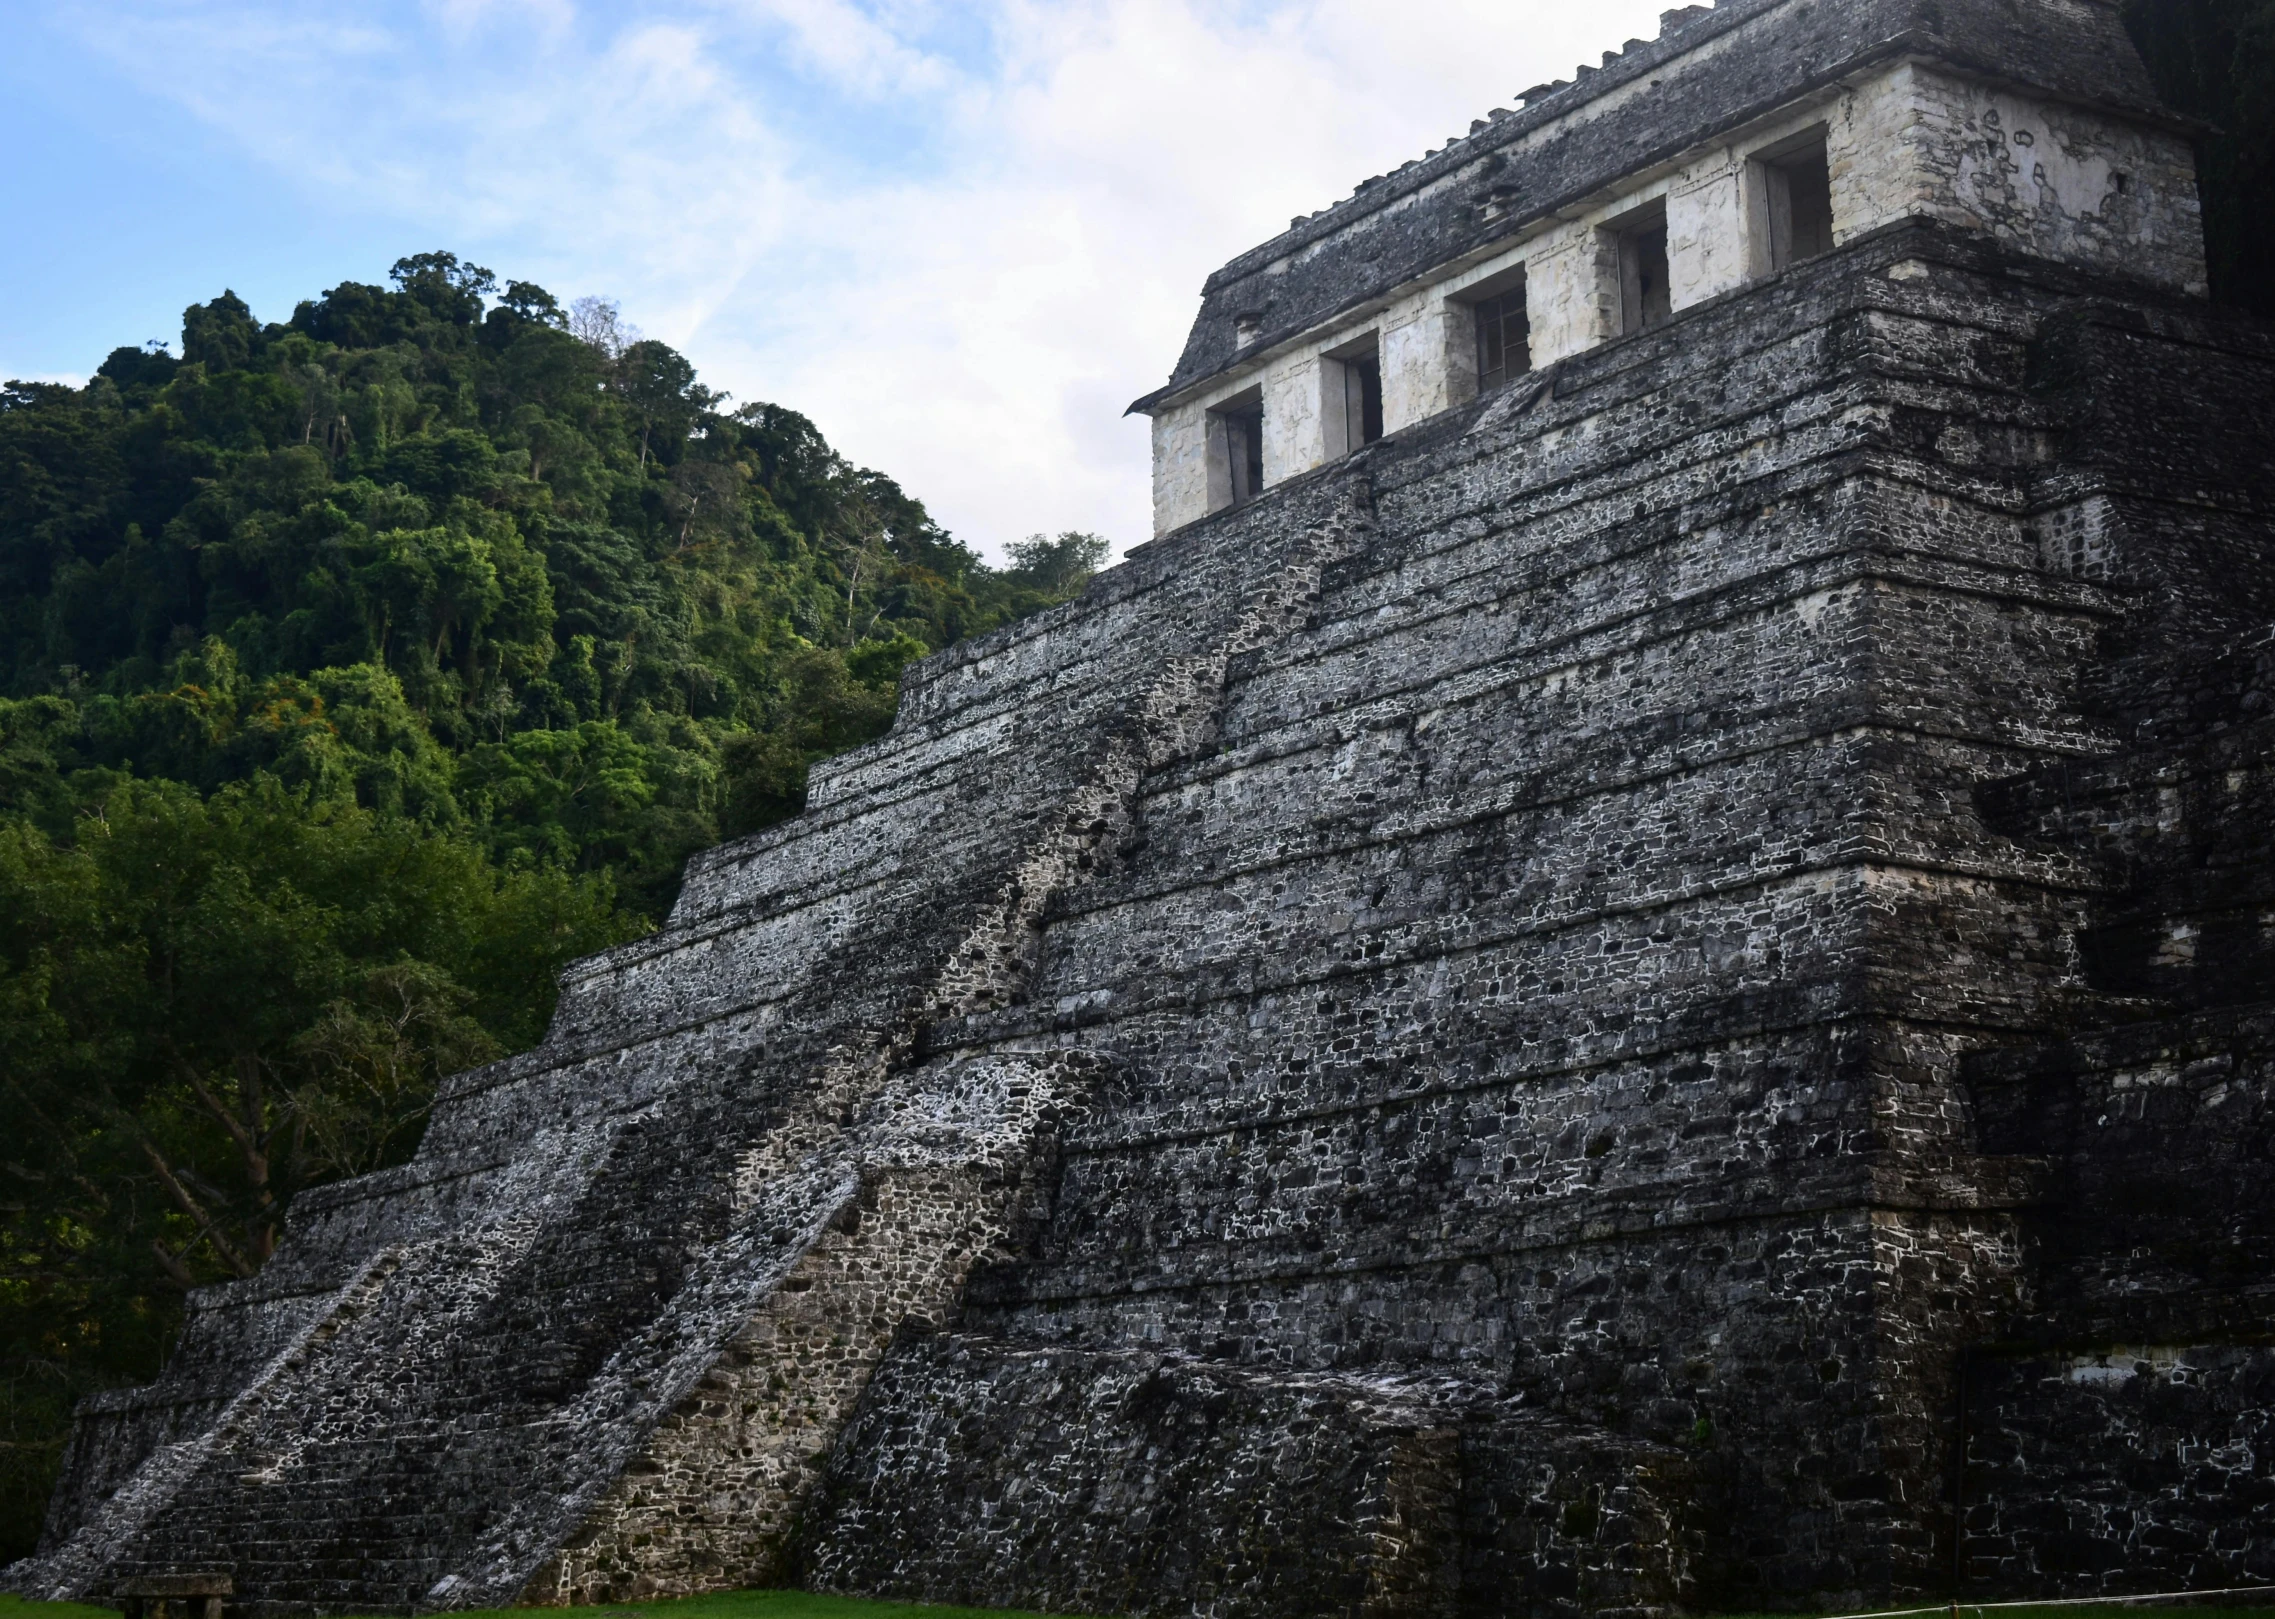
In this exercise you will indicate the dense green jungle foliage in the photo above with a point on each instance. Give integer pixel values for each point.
(355, 674)
(2215, 61)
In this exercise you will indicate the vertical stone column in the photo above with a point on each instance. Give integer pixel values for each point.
(1429, 362)
(1573, 288)
(1707, 236)
(1180, 467)
(1296, 427)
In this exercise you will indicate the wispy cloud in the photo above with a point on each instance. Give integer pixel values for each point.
(960, 236)
(871, 52)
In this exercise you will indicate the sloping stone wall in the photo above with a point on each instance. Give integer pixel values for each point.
(593, 1232)
(942, 1174)
(1514, 1024)
(1563, 978)
(1139, 1482)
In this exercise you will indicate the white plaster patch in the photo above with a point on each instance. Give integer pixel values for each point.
(2121, 1364)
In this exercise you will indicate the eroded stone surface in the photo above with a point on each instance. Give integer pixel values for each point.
(1525, 1022)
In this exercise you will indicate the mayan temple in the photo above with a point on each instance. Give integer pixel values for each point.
(1631, 968)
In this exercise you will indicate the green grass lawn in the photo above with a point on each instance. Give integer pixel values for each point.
(726, 1605)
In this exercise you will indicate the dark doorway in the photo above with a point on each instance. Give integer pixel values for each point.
(1236, 452)
(1797, 203)
(1504, 337)
(1645, 298)
(1362, 395)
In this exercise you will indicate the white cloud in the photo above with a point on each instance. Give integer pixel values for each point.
(853, 49)
(960, 237)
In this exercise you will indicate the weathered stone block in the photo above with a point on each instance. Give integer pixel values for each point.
(1617, 1001)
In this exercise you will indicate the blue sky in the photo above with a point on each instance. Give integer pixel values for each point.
(960, 236)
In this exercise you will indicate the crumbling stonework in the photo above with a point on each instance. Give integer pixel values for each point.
(1108, 1480)
(734, 1143)
(942, 1174)
(1652, 992)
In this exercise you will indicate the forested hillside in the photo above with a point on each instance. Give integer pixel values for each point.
(355, 673)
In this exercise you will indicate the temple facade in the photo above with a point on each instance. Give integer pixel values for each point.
(1631, 968)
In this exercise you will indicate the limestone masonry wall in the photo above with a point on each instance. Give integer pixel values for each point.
(1903, 139)
(1652, 993)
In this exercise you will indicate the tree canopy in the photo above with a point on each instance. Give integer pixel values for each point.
(356, 673)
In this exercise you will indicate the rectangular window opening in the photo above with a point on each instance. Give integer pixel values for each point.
(1646, 297)
(1362, 397)
(1796, 209)
(1504, 336)
(1236, 451)
(1351, 395)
